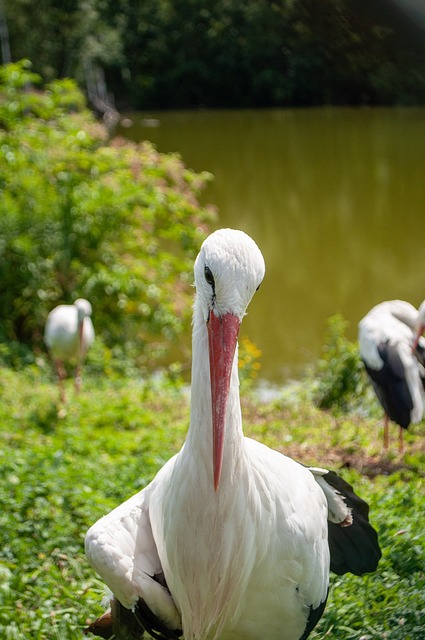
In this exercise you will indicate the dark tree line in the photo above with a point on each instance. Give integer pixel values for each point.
(189, 53)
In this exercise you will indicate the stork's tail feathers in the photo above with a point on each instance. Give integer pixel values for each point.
(124, 624)
(353, 546)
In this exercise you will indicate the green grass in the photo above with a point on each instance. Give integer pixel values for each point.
(60, 472)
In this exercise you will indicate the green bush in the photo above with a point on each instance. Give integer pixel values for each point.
(83, 216)
(340, 380)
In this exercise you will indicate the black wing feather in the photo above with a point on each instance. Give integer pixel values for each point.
(313, 618)
(122, 623)
(390, 385)
(354, 548)
(153, 625)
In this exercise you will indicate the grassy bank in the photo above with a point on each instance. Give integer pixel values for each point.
(61, 471)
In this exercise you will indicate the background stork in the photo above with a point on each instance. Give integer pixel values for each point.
(68, 335)
(231, 539)
(393, 352)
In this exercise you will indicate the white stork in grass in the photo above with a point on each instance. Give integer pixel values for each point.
(231, 540)
(68, 335)
(393, 351)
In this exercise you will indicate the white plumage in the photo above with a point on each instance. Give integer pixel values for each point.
(393, 351)
(230, 539)
(68, 335)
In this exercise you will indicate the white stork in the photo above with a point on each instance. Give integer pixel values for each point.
(68, 335)
(230, 540)
(393, 351)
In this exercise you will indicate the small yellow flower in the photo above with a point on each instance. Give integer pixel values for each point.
(249, 365)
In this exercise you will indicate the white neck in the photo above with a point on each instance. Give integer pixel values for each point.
(216, 555)
(199, 439)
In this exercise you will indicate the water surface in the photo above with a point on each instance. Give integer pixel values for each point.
(334, 198)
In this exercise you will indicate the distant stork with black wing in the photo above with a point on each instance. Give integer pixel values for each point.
(68, 335)
(231, 539)
(393, 351)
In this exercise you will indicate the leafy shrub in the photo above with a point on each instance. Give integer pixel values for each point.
(340, 378)
(16, 354)
(81, 216)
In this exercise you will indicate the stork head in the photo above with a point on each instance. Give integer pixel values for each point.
(83, 311)
(83, 308)
(420, 328)
(228, 271)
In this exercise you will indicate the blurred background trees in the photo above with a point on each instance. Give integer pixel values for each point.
(82, 216)
(190, 53)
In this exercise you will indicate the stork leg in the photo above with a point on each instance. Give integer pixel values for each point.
(61, 376)
(400, 441)
(78, 378)
(386, 432)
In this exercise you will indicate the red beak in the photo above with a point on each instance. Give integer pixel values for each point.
(80, 338)
(222, 339)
